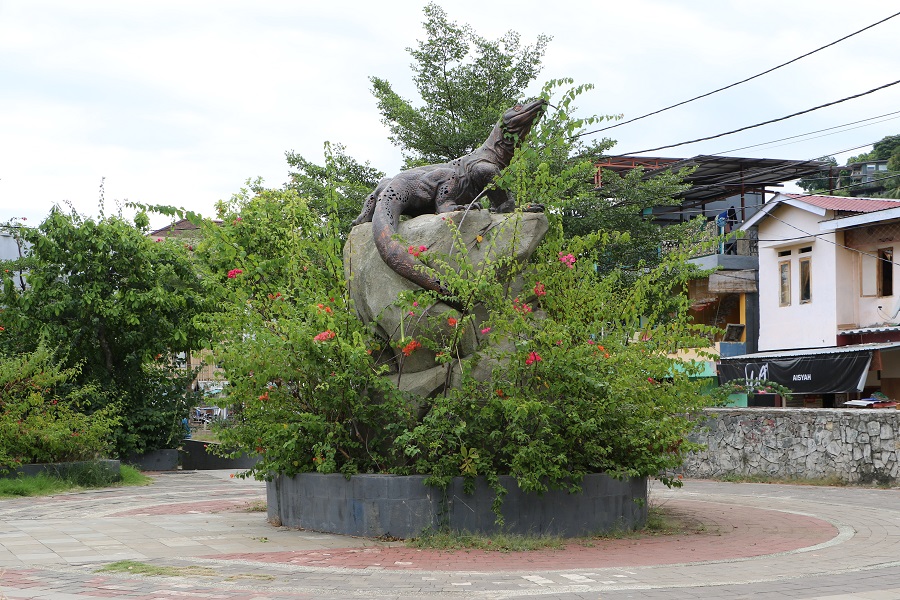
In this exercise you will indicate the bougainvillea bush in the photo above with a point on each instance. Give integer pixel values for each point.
(575, 372)
(42, 415)
(303, 385)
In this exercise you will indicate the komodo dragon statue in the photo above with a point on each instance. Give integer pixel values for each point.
(446, 187)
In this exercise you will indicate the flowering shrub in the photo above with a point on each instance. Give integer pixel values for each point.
(574, 373)
(38, 424)
(304, 389)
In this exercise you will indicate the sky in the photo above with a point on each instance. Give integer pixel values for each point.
(180, 103)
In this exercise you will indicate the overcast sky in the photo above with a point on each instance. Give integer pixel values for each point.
(178, 102)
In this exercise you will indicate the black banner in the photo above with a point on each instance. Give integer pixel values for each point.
(811, 374)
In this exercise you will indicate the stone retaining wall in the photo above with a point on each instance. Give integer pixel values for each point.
(853, 445)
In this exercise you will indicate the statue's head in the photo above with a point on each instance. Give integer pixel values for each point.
(518, 120)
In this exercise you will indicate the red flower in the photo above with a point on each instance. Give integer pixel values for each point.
(264, 397)
(452, 322)
(533, 357)
(234, 273)
(539, 289)
(411, 347)
(325, 335)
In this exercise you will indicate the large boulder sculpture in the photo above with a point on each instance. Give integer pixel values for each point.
(380, 267)
(375, 287)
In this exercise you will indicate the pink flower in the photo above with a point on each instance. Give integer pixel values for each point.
(539, 289)
(325, 335)
(423, 248)
(486, 330)
(234, 273)
(533, 357)
(158, 239)
(415, 304)
(567, 259)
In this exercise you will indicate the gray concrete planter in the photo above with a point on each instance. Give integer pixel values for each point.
(165, 459)
(403, 506)
(106, 469)
(195, 457)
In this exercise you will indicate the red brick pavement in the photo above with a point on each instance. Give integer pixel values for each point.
(725, 532)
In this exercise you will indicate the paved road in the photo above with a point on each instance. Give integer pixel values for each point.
(763, 542)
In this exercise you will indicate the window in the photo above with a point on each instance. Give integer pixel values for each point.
(784, 283)
(877, 272)
(886, 272)
(784, 253)
(805, 280)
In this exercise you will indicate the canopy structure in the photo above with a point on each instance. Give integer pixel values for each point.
(831, 370)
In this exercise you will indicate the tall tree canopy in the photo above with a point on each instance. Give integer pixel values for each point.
(465, 82)
(120, 305)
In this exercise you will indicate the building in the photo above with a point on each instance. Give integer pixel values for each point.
(725, 192)
(828, 302)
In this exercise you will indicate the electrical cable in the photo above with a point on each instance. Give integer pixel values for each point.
(769, 122)
(818, 131)
(656, 112)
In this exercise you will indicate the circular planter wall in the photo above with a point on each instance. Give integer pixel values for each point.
(165, 459)
(403, 506)
(195, 457)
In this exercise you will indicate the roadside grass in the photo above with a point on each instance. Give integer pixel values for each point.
(139, 568)
(257, 506)
(503, 542)
(134, 567)
(661, 521)
(833, 481)
(204, 435)
(46, 485)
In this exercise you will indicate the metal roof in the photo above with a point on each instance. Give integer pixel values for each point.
(879, 329)
(721, 176)
(815, 351)
(845, 204)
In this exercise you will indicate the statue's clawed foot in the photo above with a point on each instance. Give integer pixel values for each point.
(535, 208)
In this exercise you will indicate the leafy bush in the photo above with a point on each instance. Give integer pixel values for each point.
(576, 373)
(42, 416)
(304, 389)
(122, 304)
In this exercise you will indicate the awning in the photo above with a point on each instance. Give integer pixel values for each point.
(831, 370)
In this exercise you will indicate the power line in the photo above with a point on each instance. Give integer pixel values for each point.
(793, 60)
(817, 131)
(796, 114)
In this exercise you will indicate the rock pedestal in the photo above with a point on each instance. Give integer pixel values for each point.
(374, 287)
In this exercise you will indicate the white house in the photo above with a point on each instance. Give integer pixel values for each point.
(828, 298)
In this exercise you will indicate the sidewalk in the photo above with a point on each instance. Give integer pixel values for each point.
(760, 541)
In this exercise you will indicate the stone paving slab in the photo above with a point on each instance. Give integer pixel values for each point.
(761, 541)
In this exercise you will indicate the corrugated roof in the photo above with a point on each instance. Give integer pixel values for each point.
(844, 204)
(881, 329)
(815, 351)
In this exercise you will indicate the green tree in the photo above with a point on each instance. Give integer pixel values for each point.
(121, 305)
(304, 388)
(348, 180)
(822, 181)
(465, 82)
(885, 148)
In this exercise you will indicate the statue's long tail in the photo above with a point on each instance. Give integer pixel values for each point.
(398, 258)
